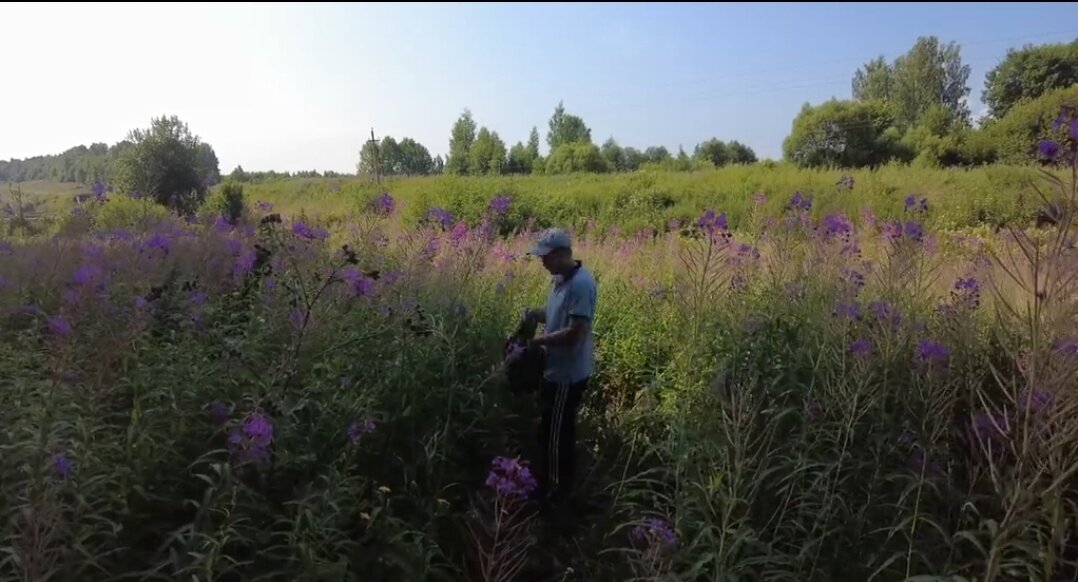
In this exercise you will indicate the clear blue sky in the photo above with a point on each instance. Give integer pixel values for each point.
(292, 87)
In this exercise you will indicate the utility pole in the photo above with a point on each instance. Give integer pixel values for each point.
(377, 161)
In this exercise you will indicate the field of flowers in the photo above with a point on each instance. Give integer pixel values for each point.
(794, 397)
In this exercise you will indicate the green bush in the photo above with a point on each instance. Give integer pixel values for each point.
(1017, 134)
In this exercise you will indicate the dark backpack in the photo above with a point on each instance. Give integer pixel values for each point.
(526, 373)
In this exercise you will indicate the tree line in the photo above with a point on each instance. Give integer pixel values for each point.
(478, 151)
(916, 109)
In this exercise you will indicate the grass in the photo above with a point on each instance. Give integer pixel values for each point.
(797, 397)
(964, 199)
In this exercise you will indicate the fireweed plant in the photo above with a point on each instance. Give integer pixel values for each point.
(794, 395)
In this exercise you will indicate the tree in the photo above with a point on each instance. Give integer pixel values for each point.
(929, 74)
(415, 159)
(238, 175)
(208, 166)
(714, 151)
(740, 153)
(1028, 73)
(841, 134)
(487, 155)
(533, 144)
(631, 159)
(520, 161)
(613, 154)
(164, 163)
(576, 157)
(460, 144)
(873, 81)
(368, 159)
(439, 165)
(565, 128)
(656, 154)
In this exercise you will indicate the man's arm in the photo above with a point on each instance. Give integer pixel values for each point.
(578, 327)
(536, 314)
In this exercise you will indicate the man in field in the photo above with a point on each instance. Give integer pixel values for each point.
(569, 345)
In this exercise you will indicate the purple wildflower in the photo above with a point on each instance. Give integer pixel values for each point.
(851, 310)
(920, 463)
(1037, 401)
(360, 284)
(655, 533)
(713, 224)
(1067, 346)
(86, 274)
(219, 412)
(258, 432)
(245, 262)
(854, 278)
(384, 204)
(892, 231)
(296, 318)
(198, 298)
(1049, 150)
(62, 465)
(861, 347)
(990, 427)
(440, 216)
(60, 326)
(838, 225)
(500, 204)
(1074, 128)
(930, 352)
(98, 189)
(814, 410)
(759, 198)
(459, 233)
(967, 291)
(914, 231)
(140, 302)
(511, 478)
(356, 430)
(6, 248)
(302, 230)
(884, 311)
(800, 202)
(157, 241)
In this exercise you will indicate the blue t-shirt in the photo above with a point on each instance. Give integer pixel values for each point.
(574, 297)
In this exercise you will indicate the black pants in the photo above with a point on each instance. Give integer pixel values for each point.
(557, 438)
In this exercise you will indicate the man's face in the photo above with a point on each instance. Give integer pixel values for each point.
(550, 261)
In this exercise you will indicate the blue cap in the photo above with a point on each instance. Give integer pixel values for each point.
(554, 238)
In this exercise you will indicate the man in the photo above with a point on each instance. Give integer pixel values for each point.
(568, 342)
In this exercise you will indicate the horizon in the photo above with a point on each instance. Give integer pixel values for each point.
(300, 87)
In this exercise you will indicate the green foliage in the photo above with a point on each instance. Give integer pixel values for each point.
(167, 163)
(874, 81)
(1016, 135)
(847, 134)
(227, 201)
(78, 164)
(720, 153)
(564, 128)
(487, 154)
(390, 158)
(460, 144)
(125, 213)
(572, 157)
(1028, 73)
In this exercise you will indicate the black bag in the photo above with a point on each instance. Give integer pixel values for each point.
(525, 374)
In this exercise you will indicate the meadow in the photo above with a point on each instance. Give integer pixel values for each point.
(801, 377)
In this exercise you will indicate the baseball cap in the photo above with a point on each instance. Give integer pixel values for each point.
(554, 238)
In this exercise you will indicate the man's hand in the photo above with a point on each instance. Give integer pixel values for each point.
(513, 352)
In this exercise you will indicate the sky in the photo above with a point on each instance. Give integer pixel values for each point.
(292, 87)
